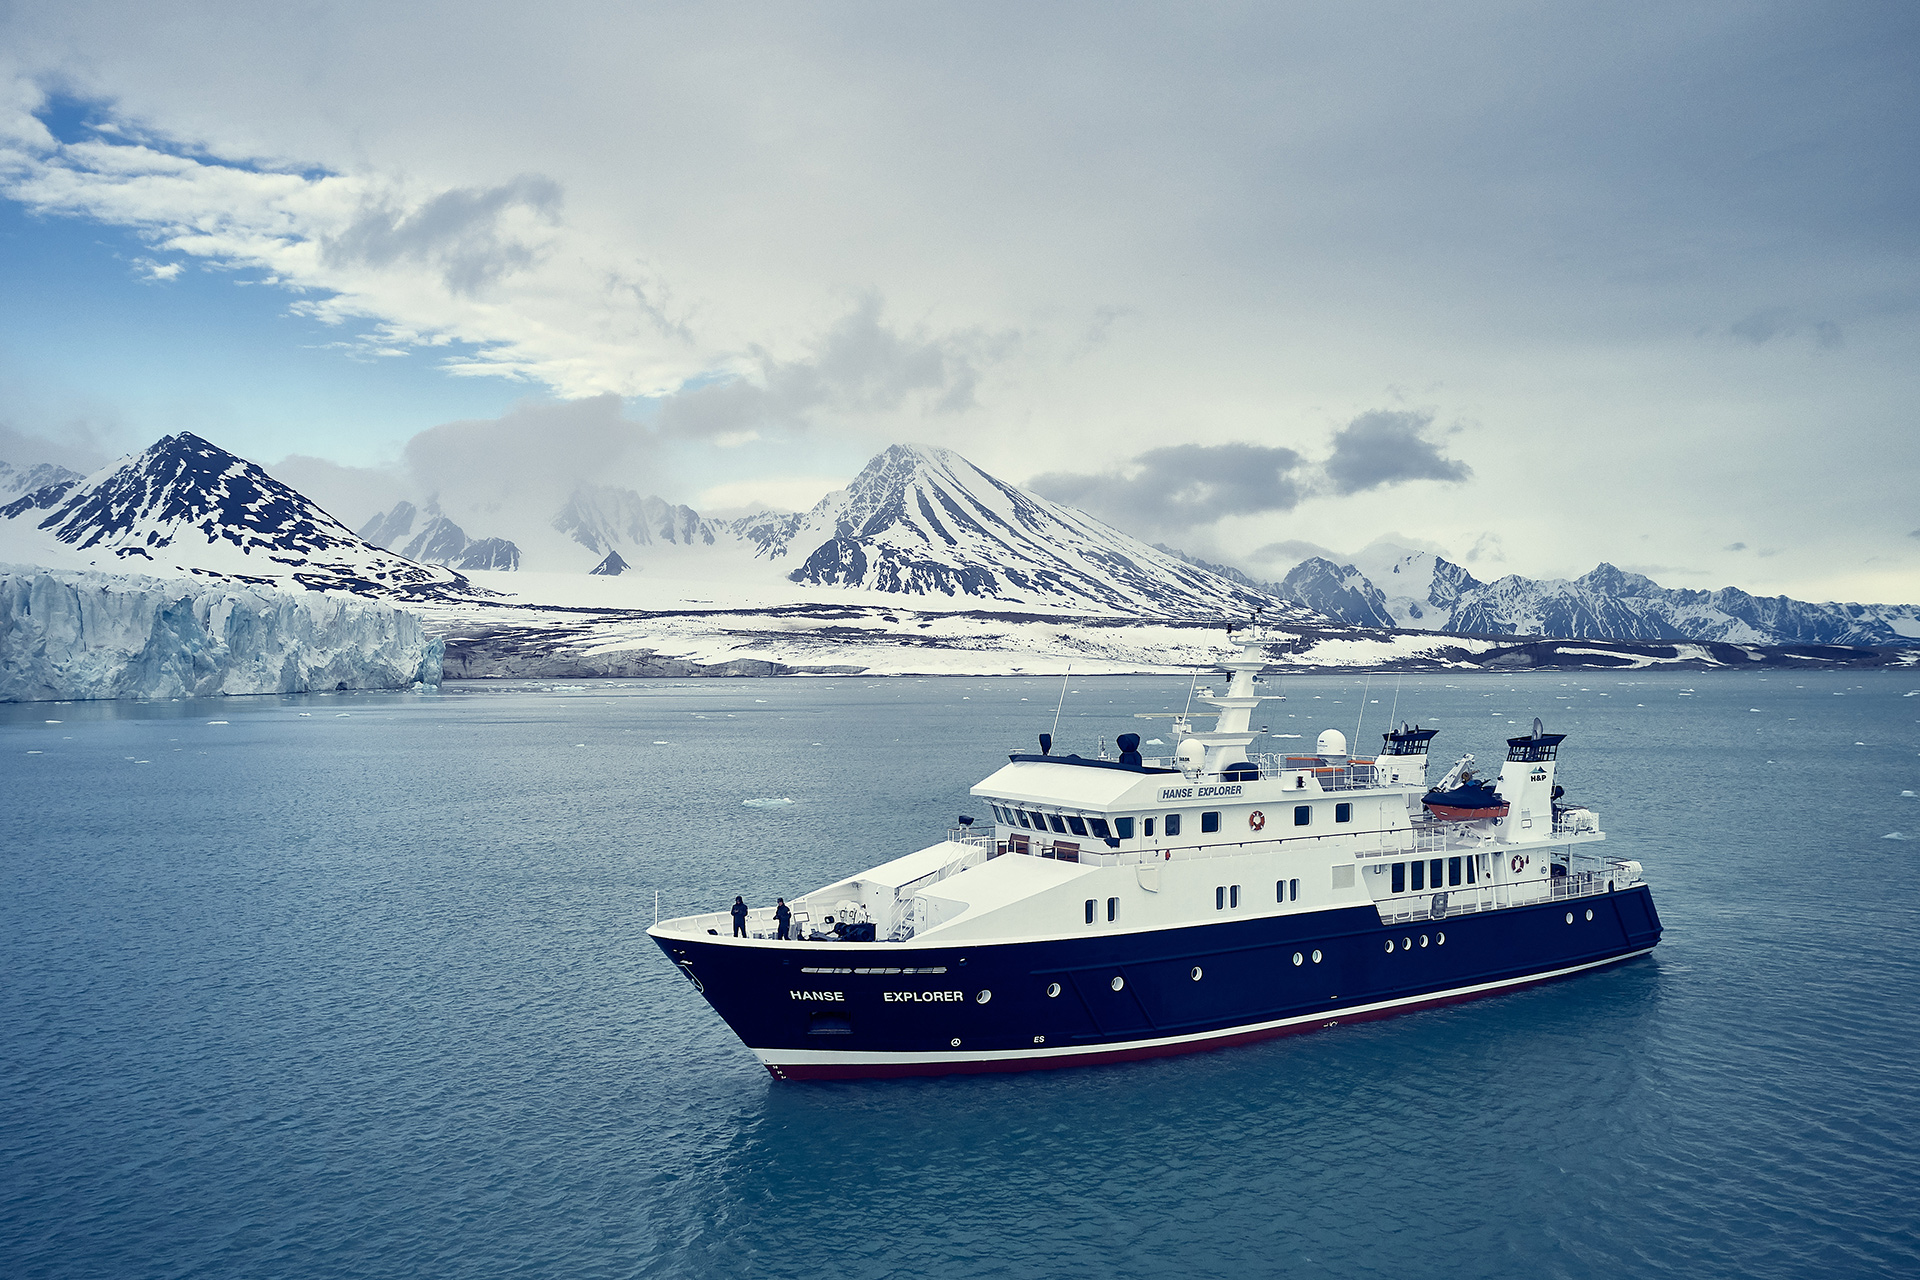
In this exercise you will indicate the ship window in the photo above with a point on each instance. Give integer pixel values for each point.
(1233, 895)
(1089, 910)
(1279, 890)
(1302, 814)
(1209, 822)
(1123, 827)
(1113, 909)
(1433, 873)
(1077, 825)
(1022, 815)
(1453, 871)
(1343, 813)
(1059, 827)
(1419, 876)
(1293, 890)
(1173, 824)
(1220, 897)
(1099, 826)
(1039, 820)
(1399, 877)
(1470, 861)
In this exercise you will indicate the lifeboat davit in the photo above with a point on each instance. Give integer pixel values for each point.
(1468, 802)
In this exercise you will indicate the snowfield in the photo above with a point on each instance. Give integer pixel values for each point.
(81, 635)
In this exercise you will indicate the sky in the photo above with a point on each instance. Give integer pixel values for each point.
(1534, 286)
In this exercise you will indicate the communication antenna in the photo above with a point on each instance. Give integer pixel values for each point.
(1393, 714)
(1190, 684)
(1063, 698)
(656, 906)
(1363, 712)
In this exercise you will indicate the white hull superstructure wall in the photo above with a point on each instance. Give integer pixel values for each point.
(87, 635)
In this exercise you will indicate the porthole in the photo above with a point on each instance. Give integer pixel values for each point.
(1389, 946)
(1439, 939)
(1423, 939)
(1589, 913)
(955, 1042)
(1406, 944)
(1569, 917)
(1053, 989)
(983, 997)
(1118, 982)
(1194, 973)
(1298, 959)
(1316, 957)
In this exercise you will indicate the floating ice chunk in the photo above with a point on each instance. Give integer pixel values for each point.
(579, 744)
(1906, 793)
(763, 802)
(216, 722)
(1753, 708)
(1894, 835)
(41, 753)
(306, 715)
(338, 715)
(1286, 735)
(662, 742)
(759, 699)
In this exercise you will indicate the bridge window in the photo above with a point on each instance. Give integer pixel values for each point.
(1113, 909)
(1343, 813)
(1059, 827)
(1419, 876)
(1209, 822)
(1123, 828)
(1099, 826)
(1433, 872)
(1039, 820)
(1399, 877)
(1302, 814)
(1453, 871)
(1077, 825)
(1089, 910)
(1022, 815)
(1146, 827)
(1173, 824)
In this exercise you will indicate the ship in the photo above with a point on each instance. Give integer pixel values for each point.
(1121, 906)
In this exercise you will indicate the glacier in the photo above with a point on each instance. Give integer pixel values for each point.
(83, 634)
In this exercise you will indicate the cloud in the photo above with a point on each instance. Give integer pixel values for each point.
(530, 458)
(1914, 534)
(1487, 548)
(1735, 546)
(861, 366)
(77, 445)
(1184, 485)
(1388, 447)
(1291, 551)
(467, 235)
(1767, 324)
(350, 494)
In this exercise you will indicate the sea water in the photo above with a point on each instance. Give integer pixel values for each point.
(358, 986)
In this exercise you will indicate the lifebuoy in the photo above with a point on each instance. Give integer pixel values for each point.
(1518, 863)
(1256, 820)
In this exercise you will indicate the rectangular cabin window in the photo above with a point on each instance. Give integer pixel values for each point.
(1123, 828)
(1099, 828)
(1433, 872)
(1399, 877)
(1220, 897)
(1302, 814)
(1077, 824)
(1113, 909)
(1470, 861)
(1343, 813)
(1146, 826)
(1059, 827)
(1419, 876)
(1022, 815)
(1279, 890)
(1233, 895)
(1294, 891)
(1453, 871)
(1173, 824)
(1089, 910)
(1209, 822)
(1039, 823)
(1066, 852)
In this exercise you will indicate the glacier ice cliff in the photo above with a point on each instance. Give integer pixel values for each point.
(84, 635)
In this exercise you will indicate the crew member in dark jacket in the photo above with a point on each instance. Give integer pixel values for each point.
(784, 914)
(739, 917)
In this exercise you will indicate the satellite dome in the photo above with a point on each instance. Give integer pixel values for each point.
(1332, 743)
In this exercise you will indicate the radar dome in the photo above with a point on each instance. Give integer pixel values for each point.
(1332, 743)
(1192, 755)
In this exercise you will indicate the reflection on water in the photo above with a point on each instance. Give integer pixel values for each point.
(358, 985)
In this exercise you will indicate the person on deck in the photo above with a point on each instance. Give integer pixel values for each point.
(783, 914)
(739, 917)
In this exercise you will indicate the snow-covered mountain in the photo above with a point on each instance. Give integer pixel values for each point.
(86, 634)
(1419, 590)
(18, 481)
(605, 520)
(186, 506)
(439, 541)
(924, 521)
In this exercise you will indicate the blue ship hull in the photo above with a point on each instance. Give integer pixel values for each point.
(849, 1011)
